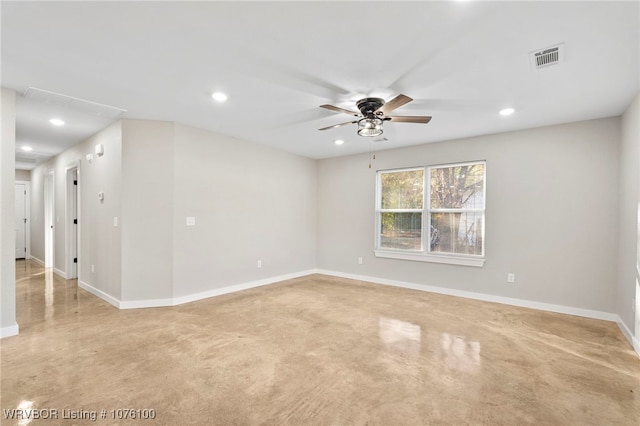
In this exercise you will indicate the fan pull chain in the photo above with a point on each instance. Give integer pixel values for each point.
(372, 153)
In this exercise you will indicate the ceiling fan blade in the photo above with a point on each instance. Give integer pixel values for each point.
(394, 103)
(338, 125)
(342, 110)
(409, 119)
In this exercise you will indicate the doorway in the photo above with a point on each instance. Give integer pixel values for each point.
(21, 219)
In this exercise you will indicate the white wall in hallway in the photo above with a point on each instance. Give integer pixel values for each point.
(99, 240)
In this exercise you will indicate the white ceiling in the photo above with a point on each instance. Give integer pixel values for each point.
(278, 61)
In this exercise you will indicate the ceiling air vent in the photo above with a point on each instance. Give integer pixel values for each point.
(547, 57)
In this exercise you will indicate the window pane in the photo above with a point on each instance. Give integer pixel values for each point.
(457, 233)
(402, 190)
(457, 187)
(401, 231)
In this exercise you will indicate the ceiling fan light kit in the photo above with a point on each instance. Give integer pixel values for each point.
(370, 127)
(373, 113)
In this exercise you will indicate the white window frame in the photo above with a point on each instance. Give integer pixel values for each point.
(425, 254)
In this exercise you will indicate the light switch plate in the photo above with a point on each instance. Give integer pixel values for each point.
(191, 221)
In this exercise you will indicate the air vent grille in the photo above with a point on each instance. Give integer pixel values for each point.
(546, 57)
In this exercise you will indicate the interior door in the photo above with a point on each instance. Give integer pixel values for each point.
(21, 220)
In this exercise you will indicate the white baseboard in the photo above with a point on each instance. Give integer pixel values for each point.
(9, 331)
(239, 287)
(60, 273)
(55, 270)
(627, 333)
(480, 296)
(101, 294)
(38, 261)
(173, 301)
(146, 303)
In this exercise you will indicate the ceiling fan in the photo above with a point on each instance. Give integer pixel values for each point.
(373, 112)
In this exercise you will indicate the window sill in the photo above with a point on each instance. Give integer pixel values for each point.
(477, 262)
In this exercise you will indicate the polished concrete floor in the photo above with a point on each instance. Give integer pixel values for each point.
(314, 350)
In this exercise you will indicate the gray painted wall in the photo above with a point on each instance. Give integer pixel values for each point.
(147, 209)
(629, 230)
(551, 216)
(7, 213)
(250, 203)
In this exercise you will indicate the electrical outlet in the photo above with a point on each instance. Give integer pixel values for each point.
(259, 263)
(93, 268)
(511, 278)
(359, 261)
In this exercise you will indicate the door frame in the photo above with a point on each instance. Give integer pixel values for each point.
(49, 219)
(72, 269)
(27, 212)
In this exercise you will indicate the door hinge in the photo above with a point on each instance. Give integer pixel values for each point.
(75, 260)
(75, 182)
(75, 221)
(25, 220)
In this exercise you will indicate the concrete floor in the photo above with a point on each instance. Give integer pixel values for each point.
(314, 350)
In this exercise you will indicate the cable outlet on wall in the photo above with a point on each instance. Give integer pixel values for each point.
(359, 261)
(511, 278)
(259, 263)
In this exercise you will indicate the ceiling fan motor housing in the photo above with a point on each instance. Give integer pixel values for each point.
(368, 106)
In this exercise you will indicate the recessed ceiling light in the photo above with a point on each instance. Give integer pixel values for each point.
(56, 122)
(507, 111)
(219, 96)
(338, 141)
(27, 148)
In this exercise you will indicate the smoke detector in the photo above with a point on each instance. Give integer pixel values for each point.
(548, 56)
